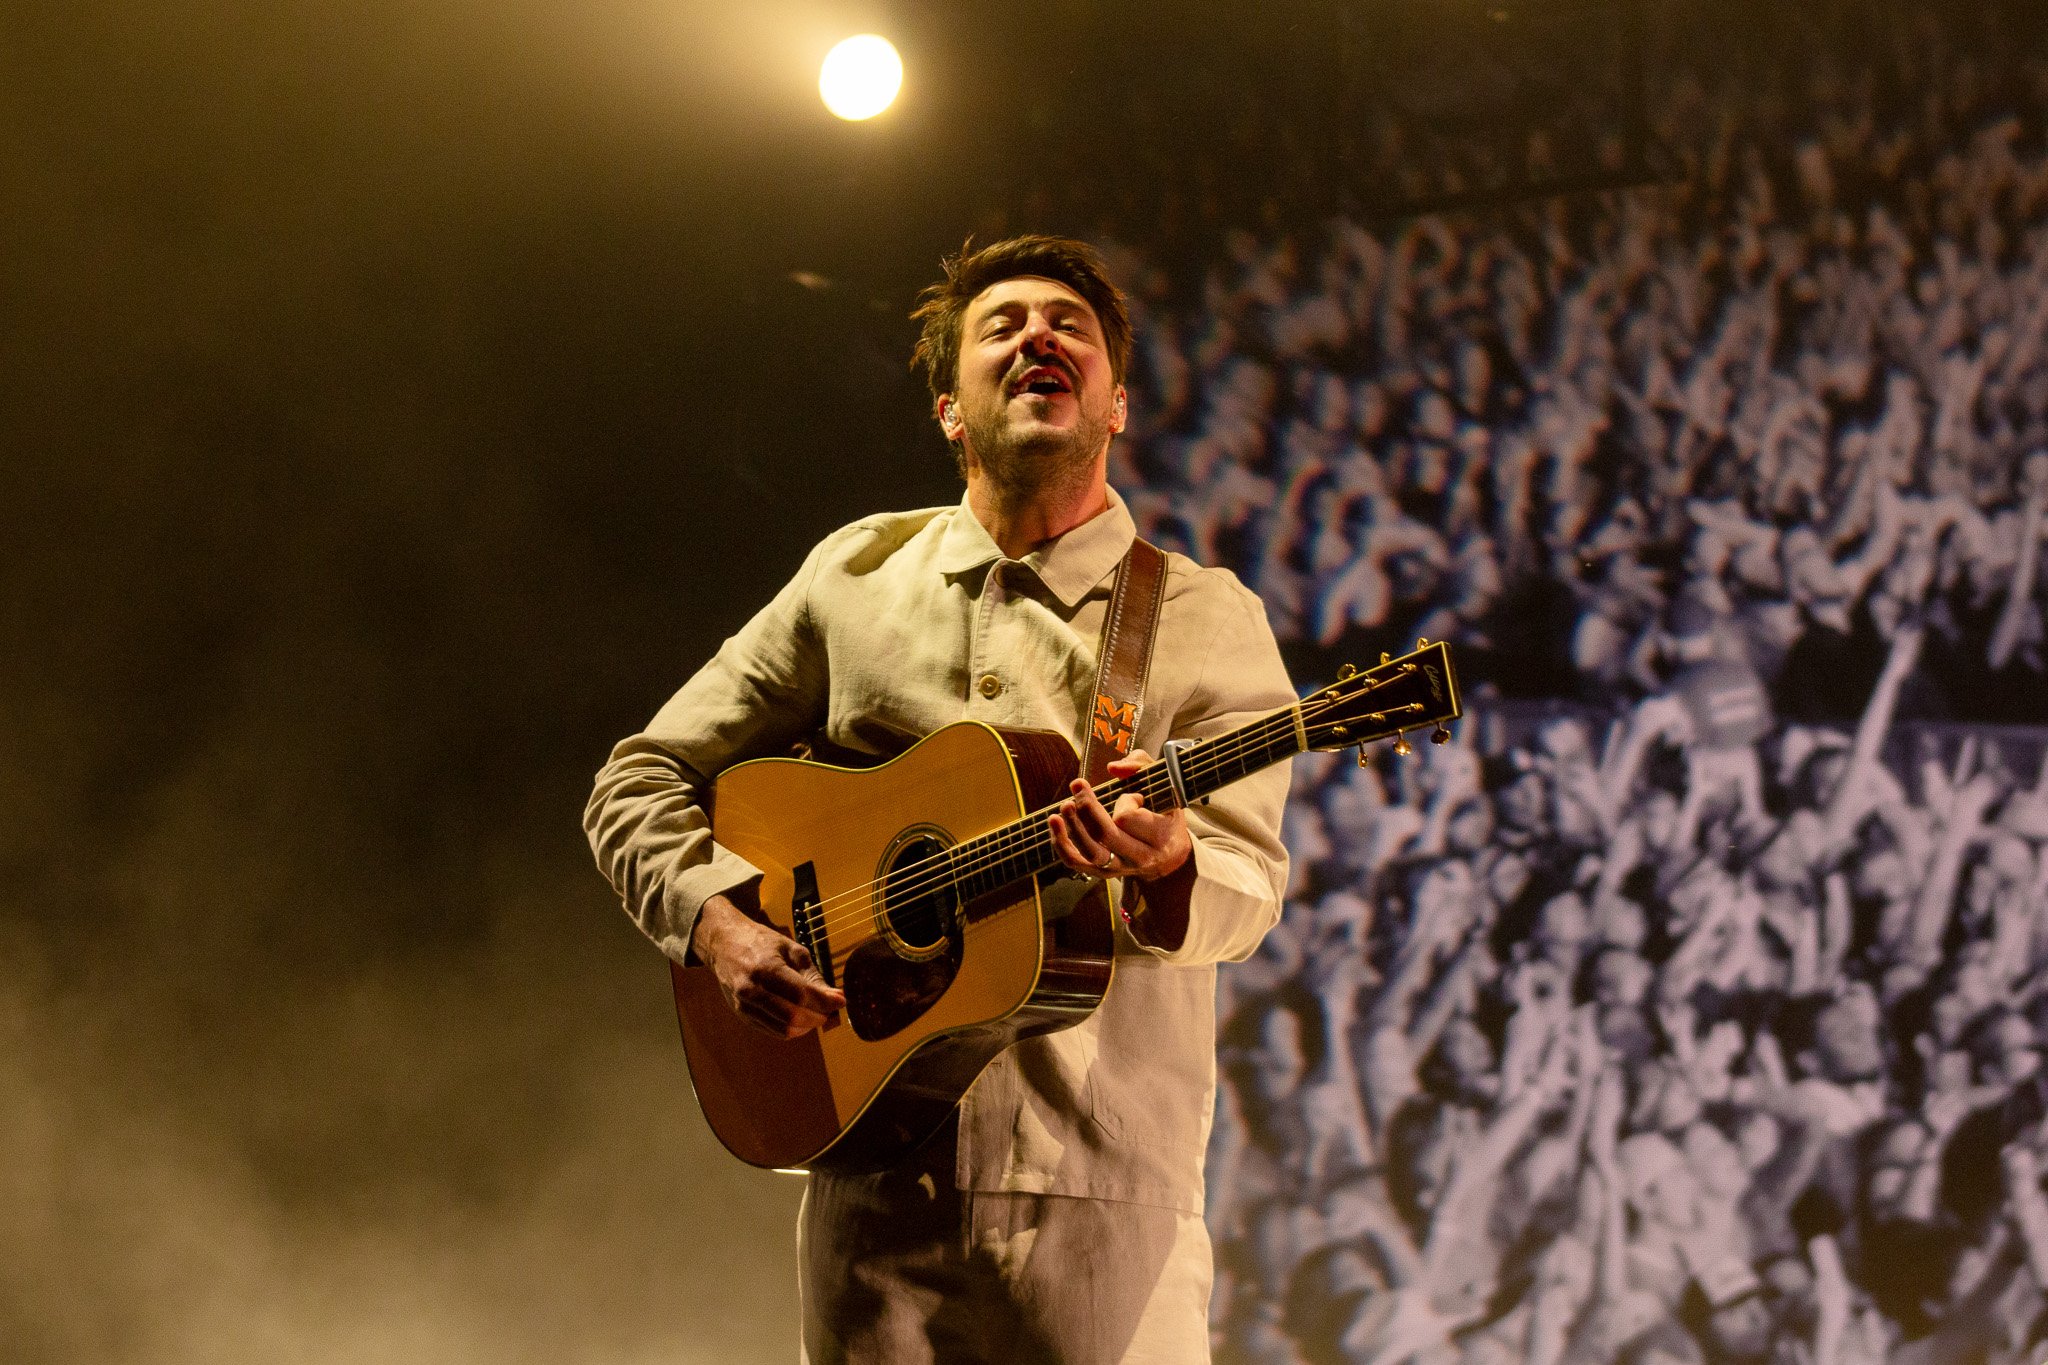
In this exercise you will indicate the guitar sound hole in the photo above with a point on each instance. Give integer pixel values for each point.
(920, 916)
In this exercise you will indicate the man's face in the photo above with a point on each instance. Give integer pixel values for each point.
(1035, 402)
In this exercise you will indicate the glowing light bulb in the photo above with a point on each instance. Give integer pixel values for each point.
(860, 77)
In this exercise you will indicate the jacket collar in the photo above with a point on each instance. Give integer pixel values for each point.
(1069, 565)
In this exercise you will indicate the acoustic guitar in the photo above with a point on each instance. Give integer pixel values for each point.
(928, 891)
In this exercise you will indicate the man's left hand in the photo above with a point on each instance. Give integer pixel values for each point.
(1127, 841)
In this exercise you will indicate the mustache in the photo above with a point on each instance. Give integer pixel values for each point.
(1018, 372)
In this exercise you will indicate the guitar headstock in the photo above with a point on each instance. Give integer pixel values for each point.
(1395, 695)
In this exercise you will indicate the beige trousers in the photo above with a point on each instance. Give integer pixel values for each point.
(903, 1269)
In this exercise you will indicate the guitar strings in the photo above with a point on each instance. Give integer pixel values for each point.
(1025, 834)
(1030, 833)
(850, 918)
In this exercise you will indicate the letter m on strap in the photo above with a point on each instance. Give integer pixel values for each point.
(1115, 721)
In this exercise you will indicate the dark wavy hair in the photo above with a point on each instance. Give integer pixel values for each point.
(942, 306)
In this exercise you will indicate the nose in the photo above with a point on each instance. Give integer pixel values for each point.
(1038, 336)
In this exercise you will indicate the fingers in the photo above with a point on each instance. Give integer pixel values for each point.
(786, 1003)
(1130, 841)
(1068, 851)
(1102, 837)
(1082, 847)
(768, 1018)
(1119, 831)
(1137, 760)
(810, 990)
(771, 982)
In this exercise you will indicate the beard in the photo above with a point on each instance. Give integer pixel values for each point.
(1021, 465)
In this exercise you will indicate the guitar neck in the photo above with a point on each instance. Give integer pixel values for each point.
(1391, 698)
(1024, 848)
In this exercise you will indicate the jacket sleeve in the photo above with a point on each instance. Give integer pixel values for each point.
(647, 819)
(1240, 863)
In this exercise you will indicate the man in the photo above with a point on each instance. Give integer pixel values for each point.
(1058, 1217)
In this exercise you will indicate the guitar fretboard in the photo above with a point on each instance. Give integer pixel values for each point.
(1024, 848)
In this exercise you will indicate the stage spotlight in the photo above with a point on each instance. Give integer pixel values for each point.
(860, 77)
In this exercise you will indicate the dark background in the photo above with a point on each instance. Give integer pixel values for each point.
(398, 401)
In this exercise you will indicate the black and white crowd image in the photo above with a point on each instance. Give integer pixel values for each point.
(1689, 1006)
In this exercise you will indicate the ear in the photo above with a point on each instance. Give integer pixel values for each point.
(950, 421)
(1119, 411)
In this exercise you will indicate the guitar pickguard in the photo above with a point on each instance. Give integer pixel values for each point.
(886, 994)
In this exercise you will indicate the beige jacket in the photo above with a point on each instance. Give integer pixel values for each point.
(901, 623)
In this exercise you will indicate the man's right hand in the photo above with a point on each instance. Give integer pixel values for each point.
(768, 977)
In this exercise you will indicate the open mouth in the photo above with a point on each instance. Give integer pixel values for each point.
(1042, 379)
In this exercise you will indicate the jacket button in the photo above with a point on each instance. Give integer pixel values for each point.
(991, 686)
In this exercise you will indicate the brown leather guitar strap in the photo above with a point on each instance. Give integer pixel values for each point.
(1127, 632)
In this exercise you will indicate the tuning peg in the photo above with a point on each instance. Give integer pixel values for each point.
(1422, 642)
(1440, 735)
(1345, 672)
(1363, 761)
(1402, 747)
(1385, 657)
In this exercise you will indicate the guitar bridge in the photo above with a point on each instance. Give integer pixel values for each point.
(808, 924)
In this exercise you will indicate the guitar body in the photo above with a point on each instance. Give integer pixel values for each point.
(935, 987)
(928, 891)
